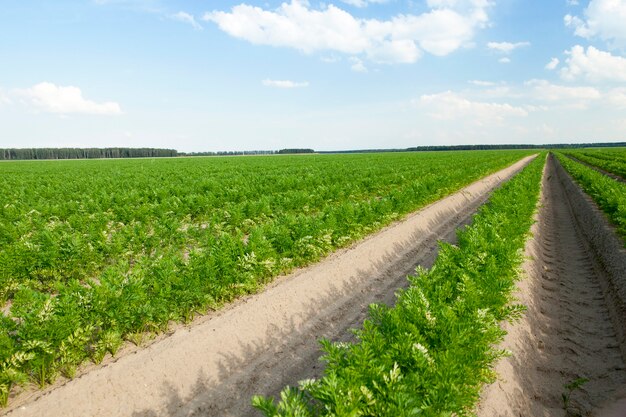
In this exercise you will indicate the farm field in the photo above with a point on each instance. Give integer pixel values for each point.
(432, 352)
(276, 331)
(94, 253)
(610, 160)
(428, 353)
(569, 349)
(609, 193)
(294, 208)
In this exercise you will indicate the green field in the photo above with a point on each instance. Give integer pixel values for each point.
(608, 193)
(612, 160)
(431, 353)
(93, 253)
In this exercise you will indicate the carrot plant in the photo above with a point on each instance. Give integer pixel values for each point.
(430, 354)
(94, 253)
(612, 160)
(608, 193)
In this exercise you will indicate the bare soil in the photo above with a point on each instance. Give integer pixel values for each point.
(572, 328)
(265, 341)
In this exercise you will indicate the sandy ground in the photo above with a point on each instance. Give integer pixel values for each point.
(567, 332)
(265, 341)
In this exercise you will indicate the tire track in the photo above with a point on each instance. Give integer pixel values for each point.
(567, 332)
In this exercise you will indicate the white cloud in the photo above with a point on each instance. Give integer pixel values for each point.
(357, 65)
(51, 98)
(285, 83)
(447, 26)
(554, 62)
(617, 97)
(578, 97)
(542, 95)
(187, 18)
(505, 60)
(482, 83)
(604, 19)
(502, 91)
(363, 3)
(459, 4)
(593, 65)
(506, 47)
(452, 106)
(572, 2)
(4, 98)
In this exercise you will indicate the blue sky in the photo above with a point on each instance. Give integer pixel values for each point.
(343, 74)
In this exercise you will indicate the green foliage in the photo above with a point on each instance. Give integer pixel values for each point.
(93, 253)
(612, 160)
(430, 354)
(608, 193)
(567, 394)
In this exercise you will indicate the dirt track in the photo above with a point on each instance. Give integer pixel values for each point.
(268, 340)
(567, 332)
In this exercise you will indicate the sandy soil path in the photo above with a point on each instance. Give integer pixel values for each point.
(265, 341)
(567, 332)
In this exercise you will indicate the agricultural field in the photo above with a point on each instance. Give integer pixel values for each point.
(503, 251)
(432, 352)
(608, 193)
(435, 344)
(352, 208)
(611, 160)
(95, 253)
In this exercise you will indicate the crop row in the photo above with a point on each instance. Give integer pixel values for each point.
(611, 160)
(93, 253)
(609, 194)
(430, 354)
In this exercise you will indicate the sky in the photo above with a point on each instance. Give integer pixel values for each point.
(328, 75)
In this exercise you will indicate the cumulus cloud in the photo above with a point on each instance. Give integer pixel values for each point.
(603, 19)
(51, 98)
(554, 62)
(568, 96)
(187, 18)
(506, 47)
(617, 97)
(357, 65)
(363, 3)
(593, 65)
(452, 106)
(444, 28)
(505, 60)
(540, 94)
(481, 83)
(284, 83)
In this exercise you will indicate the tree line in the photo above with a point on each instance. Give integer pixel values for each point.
(11, 154)
(431, 148)
(83, 153)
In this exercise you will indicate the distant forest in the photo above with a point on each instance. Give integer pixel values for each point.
(488, 147)
(84, 153)
(95, 153)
